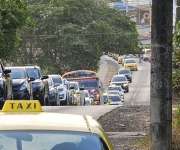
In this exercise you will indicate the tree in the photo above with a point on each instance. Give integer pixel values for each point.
(176, 60)
(74, 33)
(13, 16)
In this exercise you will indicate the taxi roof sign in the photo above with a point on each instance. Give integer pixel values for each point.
(22, 106)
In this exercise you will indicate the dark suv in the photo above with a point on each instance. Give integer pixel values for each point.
(38, 86)
(4, 73)
(20, 83)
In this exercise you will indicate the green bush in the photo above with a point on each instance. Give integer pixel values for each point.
(176, 80)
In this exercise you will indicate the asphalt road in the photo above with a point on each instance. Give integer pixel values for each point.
(139, 90)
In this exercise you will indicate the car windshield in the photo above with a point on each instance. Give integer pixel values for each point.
(124, 72)
(48, 140)
(113, 92)
(87, 84)
(74, 85)
(129, 61)
(18, 73)
(119, 79)
(57, 80)
(114, 98)
(33, 73)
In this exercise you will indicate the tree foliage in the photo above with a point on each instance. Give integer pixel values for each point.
(73, 34)
(13, 15)
(176, 59)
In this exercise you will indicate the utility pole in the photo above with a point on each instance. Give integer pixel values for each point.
(161, 75)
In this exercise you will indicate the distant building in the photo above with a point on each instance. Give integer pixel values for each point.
(141, 14)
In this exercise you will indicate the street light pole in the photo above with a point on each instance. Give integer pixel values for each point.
(161, 75)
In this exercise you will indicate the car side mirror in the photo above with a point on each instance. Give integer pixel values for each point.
(7, 71)
(44, 77)
(31, 79)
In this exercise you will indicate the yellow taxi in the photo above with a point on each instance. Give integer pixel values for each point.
(25, 127)
(130, 64)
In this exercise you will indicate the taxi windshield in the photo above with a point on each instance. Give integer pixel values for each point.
(130, 61)
(49, 140)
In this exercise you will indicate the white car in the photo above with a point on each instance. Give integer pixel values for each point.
(77, 93)
(120, 80)
(114, 99)
(62, 98)
(114, 88)
(116, 92)
(88, 100)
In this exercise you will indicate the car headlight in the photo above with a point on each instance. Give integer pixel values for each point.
(125, 84)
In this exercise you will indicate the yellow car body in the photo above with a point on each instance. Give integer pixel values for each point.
(130, 64)
(28, 116)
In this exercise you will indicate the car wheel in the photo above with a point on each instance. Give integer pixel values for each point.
(67, 100)
(46, 101)
(57, 103)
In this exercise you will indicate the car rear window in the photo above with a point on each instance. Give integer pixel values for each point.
(86, 84)
(130, 61)
(118, 79)
(124, 71)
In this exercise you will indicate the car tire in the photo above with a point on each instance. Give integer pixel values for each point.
(63, 103)
(46, 101)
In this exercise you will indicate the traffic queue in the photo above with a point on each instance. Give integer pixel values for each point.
(81, 87)
(119, 84)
